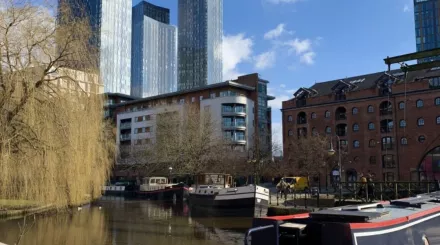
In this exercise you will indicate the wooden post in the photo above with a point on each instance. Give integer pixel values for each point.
(428, 186)
(381, 191)
(396, 195)
(409, 189)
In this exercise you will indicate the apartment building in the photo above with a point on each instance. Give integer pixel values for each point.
(387, 122)
(238, 109)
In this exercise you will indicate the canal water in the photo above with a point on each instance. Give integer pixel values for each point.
(127, 222)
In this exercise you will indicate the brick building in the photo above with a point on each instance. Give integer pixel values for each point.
(238, 109)
(379, 131)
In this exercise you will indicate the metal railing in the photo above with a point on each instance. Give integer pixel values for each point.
(234, 124)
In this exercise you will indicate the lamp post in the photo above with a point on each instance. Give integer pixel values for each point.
(331, 152)
(169, 177)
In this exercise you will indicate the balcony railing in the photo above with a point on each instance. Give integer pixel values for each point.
(341, 132)
(341, 116)
(387, 129)
(389, 164)
(125, 125)
(385, 112)
(236, 138)
(234, 110)
(125, 137)
(234, 124)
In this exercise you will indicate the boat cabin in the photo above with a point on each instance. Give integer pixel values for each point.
(154, 183)
(213, 180)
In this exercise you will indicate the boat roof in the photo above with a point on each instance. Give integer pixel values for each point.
(374, 215)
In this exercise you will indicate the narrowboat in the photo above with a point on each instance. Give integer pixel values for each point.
(158, 188)
(214, 195)
(414, 220)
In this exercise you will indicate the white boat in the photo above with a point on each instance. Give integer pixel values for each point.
(215, 195)
(158, 188)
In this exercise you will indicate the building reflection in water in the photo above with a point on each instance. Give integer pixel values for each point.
(129, 222)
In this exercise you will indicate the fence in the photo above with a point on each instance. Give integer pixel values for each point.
(353, 192)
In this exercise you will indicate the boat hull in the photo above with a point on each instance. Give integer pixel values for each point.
(170, 194)
(245, 202)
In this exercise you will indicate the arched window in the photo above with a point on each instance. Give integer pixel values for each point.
(341, 113)
(420, 122)
(313, 115)
(356, 144)
(290, 133)
(355, 127)
(438, 120)
(301, 118)
(372, 143)
(370, 109)
(355, 110)
(371, 126)
(314, 131)
(403, 141)
(401, 105)
(422, 138)
(402, 123)
(327, 114)
(289, 118)
(419, 103)
(328, 130)
(437, 101)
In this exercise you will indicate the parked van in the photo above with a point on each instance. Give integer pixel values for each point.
(298, 184)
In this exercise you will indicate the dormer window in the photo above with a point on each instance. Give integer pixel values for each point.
(341, 88)
(385, 84)
(301, 96)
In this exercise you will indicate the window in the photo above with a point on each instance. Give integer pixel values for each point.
(403, 141)
(356, 144)
(354, 111)
(370, 109)
(341, 129)
(327, 114)
(371, 126)
(314, 131)
(419, 103)
(372, 160)
(422, 138)
(355, 127)
(289, 118)
(420, 122)
(387, 143)
(313, 115)
(147, 118)
(401, 105)
(328, 130)
(372, 143)
(438, 120)
(212, 95)
(402, 123)
(341, 114)
(388, 161)
(301, 118)
(290, 133)
(437, 101)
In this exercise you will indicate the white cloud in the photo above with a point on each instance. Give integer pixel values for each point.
(265, 60)
(299, 46)
(236, 49)
(275, 32)
(277, 138)
(276, 104)
(308, 58)
(282, 85)
(291, 91)
(282, 1)
(406, 8)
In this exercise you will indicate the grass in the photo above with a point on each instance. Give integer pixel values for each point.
(17, 204)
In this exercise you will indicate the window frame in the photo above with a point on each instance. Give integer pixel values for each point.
(327, 114)
(420, 137)
(370, 145)
(356, 144)
(355, 127)
(402, 140)
(371, 128)
(419, 101)
(400, 107)
(420, 122)
(370, 107)
(328, 131)
(400, 123)
(437, 101)
(354, 111)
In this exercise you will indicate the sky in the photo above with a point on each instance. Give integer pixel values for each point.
(296, 43)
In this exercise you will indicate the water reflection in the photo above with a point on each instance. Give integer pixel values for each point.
(130, 222)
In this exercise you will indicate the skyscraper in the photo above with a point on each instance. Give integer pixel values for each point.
(200, 43)
(154, 51)
(426, 16)
(110, 20)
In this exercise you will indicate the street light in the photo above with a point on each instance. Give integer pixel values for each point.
(331, 152)
(170, 169)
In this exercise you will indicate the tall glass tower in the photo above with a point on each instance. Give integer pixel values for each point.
(154, 51)
(427, 26)
(200, 43)
(111, 22)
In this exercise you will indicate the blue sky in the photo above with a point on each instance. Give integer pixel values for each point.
(295, 43)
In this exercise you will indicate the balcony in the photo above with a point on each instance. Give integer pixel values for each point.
(125, 126)
(239, 110)
(238, 139)
(125, 137)
(385, 108)
(234, 125)
(341, 114)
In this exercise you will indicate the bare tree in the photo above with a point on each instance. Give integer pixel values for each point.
(53, 148)
(308, 155)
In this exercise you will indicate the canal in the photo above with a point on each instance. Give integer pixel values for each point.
(127, 222)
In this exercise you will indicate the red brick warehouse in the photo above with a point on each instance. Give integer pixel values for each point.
(381, 133)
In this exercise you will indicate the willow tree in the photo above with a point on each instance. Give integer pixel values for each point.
(54, 148)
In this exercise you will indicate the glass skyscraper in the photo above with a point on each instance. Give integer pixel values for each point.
(111, 22)
(200, 43)
(154, 51)
(426, 16)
